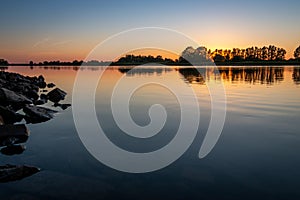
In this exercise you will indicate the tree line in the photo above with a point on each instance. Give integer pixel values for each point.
(266, 53)
(190, 55)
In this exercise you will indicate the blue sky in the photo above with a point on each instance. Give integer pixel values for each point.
(66, 29)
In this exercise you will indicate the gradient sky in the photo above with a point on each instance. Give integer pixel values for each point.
(68, 29)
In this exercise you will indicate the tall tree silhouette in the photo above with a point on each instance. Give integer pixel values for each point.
(297, 53)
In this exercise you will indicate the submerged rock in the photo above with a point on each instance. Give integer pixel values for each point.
(13, 134)
(13, 150)
(36, 114)
(56, 95)
(16, 172)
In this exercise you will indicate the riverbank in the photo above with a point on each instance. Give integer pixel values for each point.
(226, 63)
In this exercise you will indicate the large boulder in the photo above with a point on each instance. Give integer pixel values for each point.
(36, 114)
(10, 97)
(9, 116)
(56, 95)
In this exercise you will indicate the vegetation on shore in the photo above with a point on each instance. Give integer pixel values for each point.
(270, 55)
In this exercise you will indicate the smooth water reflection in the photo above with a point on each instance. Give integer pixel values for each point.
(256, 156)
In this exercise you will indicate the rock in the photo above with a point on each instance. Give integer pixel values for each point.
(41, 78)
(9, 116)
(50, 85)
(13, 150)
(44, 96)
(40, 102)
(10, 97)
(63, 106)
(56, 95)
(35, 114)
(14, 172)
(13, 134)
(1, 120)
(31, 94)
(42, 84)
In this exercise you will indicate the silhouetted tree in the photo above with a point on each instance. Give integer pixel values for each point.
(219, 58)
(3, 62)
(199, 55)
(297, 53)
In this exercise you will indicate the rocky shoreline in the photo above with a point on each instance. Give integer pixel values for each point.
(22, 101)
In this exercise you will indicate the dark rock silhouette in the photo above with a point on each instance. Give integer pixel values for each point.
(9, 116)
(63, 106)
(56, 95)
(13, 150)
(36, 114)
(13, 134)
(14, 172)
(21, 93)
(10, 97)
(50, 85)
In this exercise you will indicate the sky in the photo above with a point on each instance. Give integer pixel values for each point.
(68, 29)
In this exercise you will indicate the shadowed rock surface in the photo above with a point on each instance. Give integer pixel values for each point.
(36, 114)
(56, 95)
(19, 92)
(14, 172)
(13, 134)
(13, 150)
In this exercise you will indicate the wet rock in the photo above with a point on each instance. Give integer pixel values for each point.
(42, 84)
(43, 100)
(9, 116)
(40, 102)
(13, 150)
(63, 106)
(16, 172)
(7, 96)
(13, 134)
(31, 94)
(50, 85)
(43, 96)
(35, 114)
(56, 95)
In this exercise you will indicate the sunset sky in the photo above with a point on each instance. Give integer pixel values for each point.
(67, 29)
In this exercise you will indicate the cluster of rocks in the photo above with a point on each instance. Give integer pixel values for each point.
(23, 97)
(24, 93)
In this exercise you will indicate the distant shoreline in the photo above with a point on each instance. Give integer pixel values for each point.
(228, 63)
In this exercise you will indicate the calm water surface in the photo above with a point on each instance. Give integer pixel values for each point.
(257, 155)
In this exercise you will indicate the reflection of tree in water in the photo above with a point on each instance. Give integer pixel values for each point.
(192, 75)
(296, 75)
(143, 71)
(263, 75)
